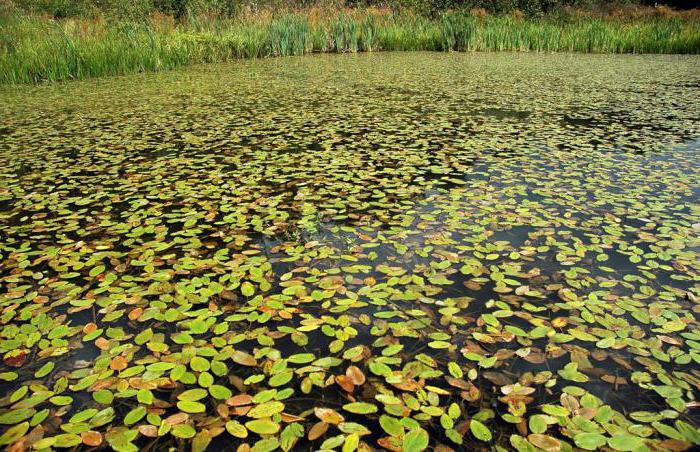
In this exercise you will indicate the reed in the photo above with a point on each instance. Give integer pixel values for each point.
(35, 49)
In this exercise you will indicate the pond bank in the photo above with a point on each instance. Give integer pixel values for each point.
(34, 49)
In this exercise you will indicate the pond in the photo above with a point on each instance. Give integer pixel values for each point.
(392, 251)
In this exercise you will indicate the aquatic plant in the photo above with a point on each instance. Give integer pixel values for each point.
(34, 50)
(402, 251)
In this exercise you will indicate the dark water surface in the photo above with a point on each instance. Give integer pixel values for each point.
(398, 251)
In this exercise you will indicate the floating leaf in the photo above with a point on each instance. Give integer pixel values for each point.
(262, 427)
(415, 440)
(183, 431)
(266, 409)
(14, 433)
(589, 441)
(360, 408)
(236, 429)
(328, 415)
(135, 415)
(480, 431)
(391, 426)
(537, 424)
(626, 442)
(191, 407)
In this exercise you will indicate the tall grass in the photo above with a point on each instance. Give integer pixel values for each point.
(34, 49)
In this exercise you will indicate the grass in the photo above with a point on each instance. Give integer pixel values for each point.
(35, 49)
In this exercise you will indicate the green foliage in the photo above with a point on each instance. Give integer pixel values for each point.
(289, 35)
(435, 7)
(35, 50)
(60, 8)
(181, 9)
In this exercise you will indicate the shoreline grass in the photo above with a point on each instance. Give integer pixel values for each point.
(35, 49)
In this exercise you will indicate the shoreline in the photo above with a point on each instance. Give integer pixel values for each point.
(35, 50)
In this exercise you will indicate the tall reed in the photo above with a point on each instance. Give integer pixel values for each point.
(34, 49)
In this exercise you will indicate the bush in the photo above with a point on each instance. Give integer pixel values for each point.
(181, 9)
(60, 8)
(530, 7)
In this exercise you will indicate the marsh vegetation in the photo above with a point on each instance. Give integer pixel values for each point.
(36, 48)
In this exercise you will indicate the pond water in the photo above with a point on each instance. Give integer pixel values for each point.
(398, 251)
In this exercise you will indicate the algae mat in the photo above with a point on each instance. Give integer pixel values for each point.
(394, 251)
